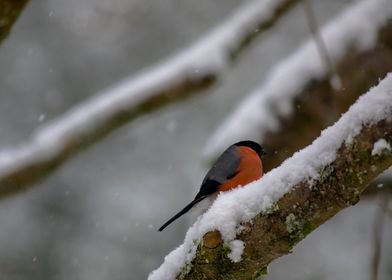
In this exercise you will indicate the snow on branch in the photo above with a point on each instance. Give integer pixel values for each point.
(190, 71)
(274, 213)
(9, 12)
(356, 28)
(319, 105)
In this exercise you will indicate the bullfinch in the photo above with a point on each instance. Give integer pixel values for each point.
(239, 165)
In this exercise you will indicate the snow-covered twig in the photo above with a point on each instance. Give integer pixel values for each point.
(356, 28)
(190, 71)
(274, 213)
(9, 12)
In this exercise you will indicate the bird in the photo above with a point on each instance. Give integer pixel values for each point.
(239, 165)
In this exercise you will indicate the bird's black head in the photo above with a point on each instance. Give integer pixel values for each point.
(253, 145)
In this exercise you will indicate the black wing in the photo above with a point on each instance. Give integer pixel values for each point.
(225, 168)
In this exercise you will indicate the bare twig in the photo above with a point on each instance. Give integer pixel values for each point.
(378, 229)
(314, 29)
(384, 204)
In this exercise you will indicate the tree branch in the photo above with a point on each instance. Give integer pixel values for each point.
(293, 199)
(377, 238)
(318, 105)
(192, 71)
(384, 202)
(305, 208)
(351, 39)
(332, 74)
(9, 12)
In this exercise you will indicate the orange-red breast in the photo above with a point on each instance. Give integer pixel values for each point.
(239, 165)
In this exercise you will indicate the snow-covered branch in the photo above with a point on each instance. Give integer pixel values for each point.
(265, 219)
(318, 105)
(9, 12)
(190, 71)
(355, 30)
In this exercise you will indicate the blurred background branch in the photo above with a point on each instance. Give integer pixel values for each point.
(318, 105)
(286, 117)
(9, 12)
(384, 206)
(383, 201)
(314, 29)
(189, 72)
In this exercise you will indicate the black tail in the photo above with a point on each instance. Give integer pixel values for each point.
(182, 212)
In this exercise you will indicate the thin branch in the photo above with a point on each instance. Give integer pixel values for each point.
(377, 241)
(292, 200)
(9, 12)
(384, 205)
(191, 71)
(329, 65)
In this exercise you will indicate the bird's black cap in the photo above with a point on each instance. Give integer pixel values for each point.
(253, 145)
